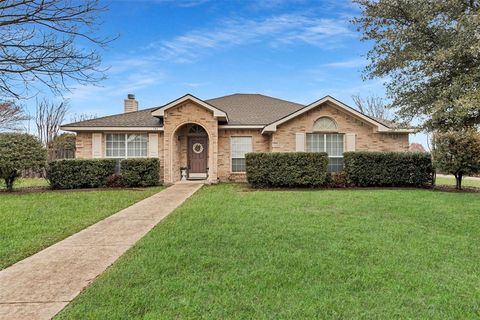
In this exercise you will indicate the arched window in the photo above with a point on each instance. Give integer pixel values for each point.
(196, 130)
(324, 124)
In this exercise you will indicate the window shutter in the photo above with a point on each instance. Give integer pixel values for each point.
(350, 142)
(300, 142)
(96, 145)
(153, 145)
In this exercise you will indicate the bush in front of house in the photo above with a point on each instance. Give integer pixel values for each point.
(19, 151)
(287, 169)
(388, 169)
(338, 180)
(140, 172)
(74, 174)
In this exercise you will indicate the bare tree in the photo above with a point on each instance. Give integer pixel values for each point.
(416, 147)
(11, 116)
(373, 106)
(48, 118)
(40, 44)
(78, 117)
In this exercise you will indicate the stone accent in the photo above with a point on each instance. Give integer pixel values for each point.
(174, 119)
(367, 138)
(260, 143)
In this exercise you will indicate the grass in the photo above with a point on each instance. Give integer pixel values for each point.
(450, 181)
(26, 183)
(327, 254)
(30, 222)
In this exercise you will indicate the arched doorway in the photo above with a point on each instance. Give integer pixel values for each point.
(190, 152)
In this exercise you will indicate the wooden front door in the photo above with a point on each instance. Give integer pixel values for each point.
(197, 154)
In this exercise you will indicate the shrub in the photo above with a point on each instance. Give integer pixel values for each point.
(388, 169)
(72, 174)
(338, 180)
(19, 151)
(140, 172)
(457, 153)
(114, 181)
(292, 169)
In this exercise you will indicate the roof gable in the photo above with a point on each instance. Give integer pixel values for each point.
(217, 113)
(381, 127)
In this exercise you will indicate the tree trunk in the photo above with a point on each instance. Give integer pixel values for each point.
(9, 183)
(10, 180)
(458, 178)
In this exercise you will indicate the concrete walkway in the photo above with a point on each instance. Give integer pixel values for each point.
(39, 286)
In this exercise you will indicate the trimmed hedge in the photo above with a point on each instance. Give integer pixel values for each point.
(289, 169)
(73, 174)
(140, 172)
(97, 173)
(388, 169)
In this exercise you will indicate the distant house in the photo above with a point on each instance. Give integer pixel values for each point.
(209, 138)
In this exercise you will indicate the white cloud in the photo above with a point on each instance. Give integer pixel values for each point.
(177, 3)
(352, 63)
(286, 29)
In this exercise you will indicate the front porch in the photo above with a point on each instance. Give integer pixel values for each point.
(191, 155)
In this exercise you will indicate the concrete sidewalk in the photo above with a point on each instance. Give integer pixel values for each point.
(39, 286)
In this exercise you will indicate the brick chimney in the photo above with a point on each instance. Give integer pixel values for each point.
(130, 104)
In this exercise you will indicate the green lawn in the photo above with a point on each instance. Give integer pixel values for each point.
(450, 181)
(228, 253)
(30, 222)
(26, 182)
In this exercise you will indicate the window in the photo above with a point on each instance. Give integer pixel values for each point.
(324, 124)
(124, 145)
(240, 146)
(331, 143)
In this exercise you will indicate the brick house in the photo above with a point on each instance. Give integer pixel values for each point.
(208, 139)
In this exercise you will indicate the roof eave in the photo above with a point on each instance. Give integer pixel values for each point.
(103, 128)
(217, 113)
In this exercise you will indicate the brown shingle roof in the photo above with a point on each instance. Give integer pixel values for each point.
(141, 118)
(253, 109)
(241, 109)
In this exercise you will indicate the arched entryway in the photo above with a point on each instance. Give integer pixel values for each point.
(191, 152)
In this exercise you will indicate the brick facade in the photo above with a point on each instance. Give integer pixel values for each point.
(367, 138)
(176, 118)
(172, 142)
(260, 143)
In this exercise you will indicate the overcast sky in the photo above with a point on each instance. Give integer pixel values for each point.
(295, 50)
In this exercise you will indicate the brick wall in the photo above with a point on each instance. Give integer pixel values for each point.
(83, 144)
(260, 143)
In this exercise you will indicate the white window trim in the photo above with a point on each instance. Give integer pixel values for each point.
(231, 154)
(126, 146)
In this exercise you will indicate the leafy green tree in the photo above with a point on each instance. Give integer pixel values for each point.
(429, 53)
(62, 147)
(19, 151)
(458, 153)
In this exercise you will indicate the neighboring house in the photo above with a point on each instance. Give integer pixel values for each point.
(211, 137)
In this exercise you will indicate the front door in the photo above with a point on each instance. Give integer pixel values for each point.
(197, 156)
